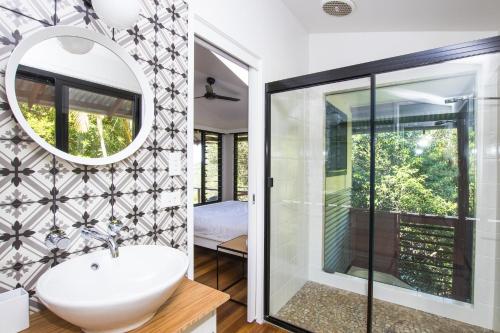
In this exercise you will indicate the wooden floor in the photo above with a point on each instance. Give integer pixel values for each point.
(231, 317)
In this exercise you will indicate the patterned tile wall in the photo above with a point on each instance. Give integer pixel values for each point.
(39, 191)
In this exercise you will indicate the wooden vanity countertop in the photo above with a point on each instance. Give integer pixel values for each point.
(190, 303)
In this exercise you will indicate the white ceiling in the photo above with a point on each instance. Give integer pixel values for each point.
(401, 15)
(218, 114)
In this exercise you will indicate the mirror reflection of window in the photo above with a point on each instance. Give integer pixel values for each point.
(79, 96)
(78, 117)
(36, 100)
(99, 125)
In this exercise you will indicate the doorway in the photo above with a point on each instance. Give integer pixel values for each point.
(220, 164)
(206, 32)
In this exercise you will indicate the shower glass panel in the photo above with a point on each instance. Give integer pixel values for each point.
(318, 245)
(383, 195)
(435, 195)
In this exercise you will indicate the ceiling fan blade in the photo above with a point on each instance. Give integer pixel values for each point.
(232, 99)
(200, 97)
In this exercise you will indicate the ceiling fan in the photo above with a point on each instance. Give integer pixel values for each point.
(211, 95)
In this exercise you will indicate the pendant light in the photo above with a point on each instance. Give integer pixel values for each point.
(119, 14)
(76, 45)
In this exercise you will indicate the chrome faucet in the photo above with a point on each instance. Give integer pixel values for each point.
(114, 228)
(57, 239)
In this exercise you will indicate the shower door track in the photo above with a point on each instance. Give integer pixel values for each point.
(364, 70)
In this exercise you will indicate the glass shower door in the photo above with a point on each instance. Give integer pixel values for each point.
(383, 194)
(435, 192)
(318, 229)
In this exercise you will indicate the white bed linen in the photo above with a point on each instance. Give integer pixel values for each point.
(221, 221)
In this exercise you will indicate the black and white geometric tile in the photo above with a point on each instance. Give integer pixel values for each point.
(39, 191)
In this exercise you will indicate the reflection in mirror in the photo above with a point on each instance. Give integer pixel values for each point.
(36, 100)
(79, 96)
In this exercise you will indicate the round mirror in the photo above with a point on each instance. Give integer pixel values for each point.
(79, 95)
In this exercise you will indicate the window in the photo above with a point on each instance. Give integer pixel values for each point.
(36, 99)
(241, 166)
(336, 141)
(207, 167)
(425, 180)
(78, 117)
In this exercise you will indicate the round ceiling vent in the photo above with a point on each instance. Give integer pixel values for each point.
(338, 7)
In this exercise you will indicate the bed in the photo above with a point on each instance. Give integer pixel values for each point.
(219, 222)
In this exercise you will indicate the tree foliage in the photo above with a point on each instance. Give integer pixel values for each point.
(116, 134)
(408, 177)
(416, 172)
(42, 119)
(84, 137)
(241, 143)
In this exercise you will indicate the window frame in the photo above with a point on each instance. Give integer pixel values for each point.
(62, 83)
(336, 138)
(203, 189)
(235, 164)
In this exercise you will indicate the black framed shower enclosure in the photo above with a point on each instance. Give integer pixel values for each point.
(369, 72)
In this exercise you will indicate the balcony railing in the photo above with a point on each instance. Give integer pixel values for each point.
(241, 194)
(432, 254)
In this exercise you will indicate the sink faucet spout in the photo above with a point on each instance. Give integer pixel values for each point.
(91, 233)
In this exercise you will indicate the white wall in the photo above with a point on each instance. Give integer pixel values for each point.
(334, 50)
(265, 28)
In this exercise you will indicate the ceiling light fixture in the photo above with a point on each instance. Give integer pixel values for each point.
(338, 7)
(76, 45)
(119, 14)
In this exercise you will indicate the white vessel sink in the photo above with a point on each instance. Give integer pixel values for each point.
(101, 294)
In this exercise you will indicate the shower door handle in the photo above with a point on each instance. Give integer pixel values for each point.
(270, 182)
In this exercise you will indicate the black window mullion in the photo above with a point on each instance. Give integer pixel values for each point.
(210, 137)
(219, 167)
(137, 114)
(203, 167)
(235, 167)
(238, 138)
(62, 110)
